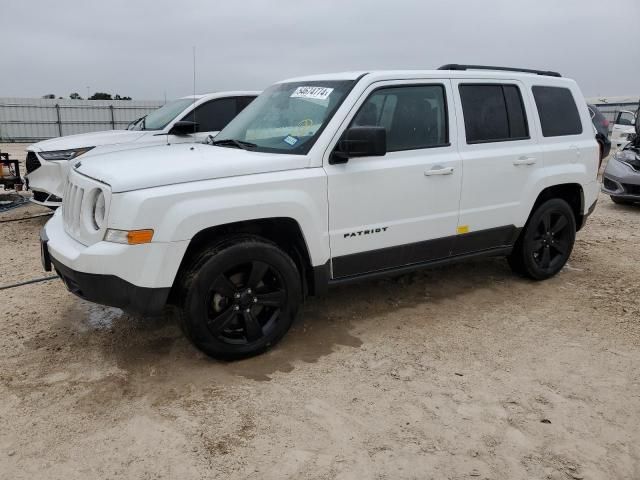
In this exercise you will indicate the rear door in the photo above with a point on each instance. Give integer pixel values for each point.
(501, 162)
(402, 208)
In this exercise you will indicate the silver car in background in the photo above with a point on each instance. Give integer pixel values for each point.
(621, 178)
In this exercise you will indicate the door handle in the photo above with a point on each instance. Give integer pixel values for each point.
(524, 160)
(438, 171)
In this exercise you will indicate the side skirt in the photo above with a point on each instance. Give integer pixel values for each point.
(414, 256)
(492, 252)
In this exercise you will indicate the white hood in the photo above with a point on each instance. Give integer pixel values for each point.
(93, 139)
(179, 163)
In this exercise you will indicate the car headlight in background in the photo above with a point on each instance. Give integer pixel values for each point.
(56, 155)
(99, 210)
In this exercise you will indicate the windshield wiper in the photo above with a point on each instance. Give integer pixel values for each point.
(232, 142)
(133, 123)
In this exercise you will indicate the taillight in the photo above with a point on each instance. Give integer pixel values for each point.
(605, 123)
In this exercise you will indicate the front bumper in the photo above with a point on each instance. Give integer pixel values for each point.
(620, 180)
(47, 181)
(135, 278)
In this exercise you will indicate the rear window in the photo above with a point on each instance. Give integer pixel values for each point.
(493, 113)
(558, 111)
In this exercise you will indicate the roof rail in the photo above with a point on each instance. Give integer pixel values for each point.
(455, 66)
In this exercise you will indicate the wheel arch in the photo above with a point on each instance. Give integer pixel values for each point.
(572, 193)
(285, 232)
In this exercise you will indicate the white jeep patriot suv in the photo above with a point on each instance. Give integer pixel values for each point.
(324, 180)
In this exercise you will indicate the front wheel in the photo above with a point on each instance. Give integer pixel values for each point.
(239, 297)
(546, 242)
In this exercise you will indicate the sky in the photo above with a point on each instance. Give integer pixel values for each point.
(144, 48)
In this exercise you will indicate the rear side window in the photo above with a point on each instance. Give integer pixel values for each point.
(558, 111)
(414, 116)
(493, 113)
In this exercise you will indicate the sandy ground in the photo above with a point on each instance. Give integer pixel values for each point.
(458, 372)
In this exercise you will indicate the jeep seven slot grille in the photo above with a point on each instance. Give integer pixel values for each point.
(72, 208)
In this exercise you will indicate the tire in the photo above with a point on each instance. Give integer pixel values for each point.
(239, 297)
(621, 201)
(546, 242)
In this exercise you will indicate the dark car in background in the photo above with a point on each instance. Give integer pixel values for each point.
(602, 127)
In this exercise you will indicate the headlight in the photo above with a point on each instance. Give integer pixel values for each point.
(64, 154)
(99, 210)
(624, 156)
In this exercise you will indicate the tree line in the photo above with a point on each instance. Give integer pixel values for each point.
(95, 96)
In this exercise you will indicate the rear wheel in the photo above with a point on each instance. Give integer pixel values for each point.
(239, 298)
(621, 201)
(546, 241)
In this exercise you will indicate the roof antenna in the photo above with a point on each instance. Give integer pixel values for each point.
(194, 87)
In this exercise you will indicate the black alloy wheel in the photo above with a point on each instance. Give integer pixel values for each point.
(245, 303)
(546, 242)
(239, 297)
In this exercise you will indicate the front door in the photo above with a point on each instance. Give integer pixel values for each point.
(402, 208)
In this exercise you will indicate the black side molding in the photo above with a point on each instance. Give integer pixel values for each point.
(457, 66)
(401, 256)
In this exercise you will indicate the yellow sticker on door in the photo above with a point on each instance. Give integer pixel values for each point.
(463, 229)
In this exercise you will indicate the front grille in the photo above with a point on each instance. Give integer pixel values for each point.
(72, 207)
(40, 196)
(631, 189)
(32, 162)
(45, 197)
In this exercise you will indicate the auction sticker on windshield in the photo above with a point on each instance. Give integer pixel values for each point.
(291, 140)
(317, 93)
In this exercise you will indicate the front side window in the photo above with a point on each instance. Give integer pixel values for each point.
(557, 111)
(625, 118)
(214, 115)
(287, 117)
(413, 116)
(160, 118)
(493, 113)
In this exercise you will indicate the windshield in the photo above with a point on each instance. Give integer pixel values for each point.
(287, 117)
(160, 118)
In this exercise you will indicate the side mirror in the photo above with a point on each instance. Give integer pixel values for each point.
(360, 142)
(183, 127)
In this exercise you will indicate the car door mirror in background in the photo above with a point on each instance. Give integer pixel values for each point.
(360, 142)
(183, 127)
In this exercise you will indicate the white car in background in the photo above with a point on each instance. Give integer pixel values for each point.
(623, 128)
(188, 119)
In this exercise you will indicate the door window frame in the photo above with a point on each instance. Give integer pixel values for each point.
(502, 84)
(450, 117)
(447, 143)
